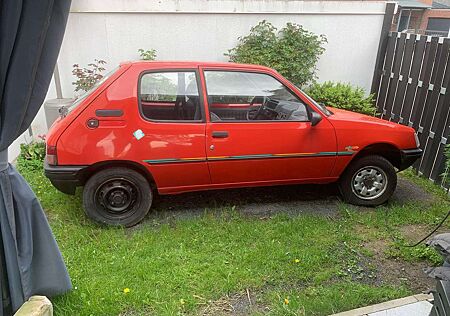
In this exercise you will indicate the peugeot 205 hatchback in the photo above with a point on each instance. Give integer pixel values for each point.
(172, 127)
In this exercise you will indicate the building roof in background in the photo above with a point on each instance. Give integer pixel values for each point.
(413, 4)
(442, 4)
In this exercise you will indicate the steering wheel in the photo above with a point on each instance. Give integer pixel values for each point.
(252, 114)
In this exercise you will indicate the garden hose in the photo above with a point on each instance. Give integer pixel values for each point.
(431, 233)
(424, 238)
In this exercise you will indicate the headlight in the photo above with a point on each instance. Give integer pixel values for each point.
(417, 140)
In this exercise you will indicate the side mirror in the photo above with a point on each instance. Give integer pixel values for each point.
(315, 118)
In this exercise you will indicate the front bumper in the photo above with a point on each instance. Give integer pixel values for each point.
(64, 178)
(408, 157)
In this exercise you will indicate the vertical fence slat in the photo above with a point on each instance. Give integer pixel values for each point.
(395, 72)
(381, 54)
(403, 77)
(424, 81)
(411, 89)
(386, 72)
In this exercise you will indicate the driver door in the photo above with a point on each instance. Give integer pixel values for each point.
(279, 145)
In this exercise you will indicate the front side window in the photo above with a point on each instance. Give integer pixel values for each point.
(170, 96)
(246, 96)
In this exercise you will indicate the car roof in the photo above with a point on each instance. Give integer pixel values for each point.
(194, 64)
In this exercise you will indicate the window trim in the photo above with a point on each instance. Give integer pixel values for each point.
(308, 108)
(161, 70)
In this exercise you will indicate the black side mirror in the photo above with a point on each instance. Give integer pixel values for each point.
(315, 118)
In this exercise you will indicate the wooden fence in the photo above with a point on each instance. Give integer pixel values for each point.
(412, 87)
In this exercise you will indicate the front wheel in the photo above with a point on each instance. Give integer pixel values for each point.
(368, 181)
(117, 196)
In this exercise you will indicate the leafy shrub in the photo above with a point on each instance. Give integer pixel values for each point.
(292, 51)
(31, 156)
(88, 76)
(342, 96)
(446, 172)
(149, 54)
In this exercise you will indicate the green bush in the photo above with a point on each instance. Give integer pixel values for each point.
(31, 156)
(342, 96)
(446, 172)
(292, 51)
(149, 54)
(88, 76)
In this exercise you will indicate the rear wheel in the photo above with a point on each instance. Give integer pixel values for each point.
(117, 196)
(368, 181)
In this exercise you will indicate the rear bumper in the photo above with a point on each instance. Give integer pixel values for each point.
(64, 178)
(409, 156)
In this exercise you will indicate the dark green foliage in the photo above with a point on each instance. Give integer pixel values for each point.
(342, 96)
(149, 54)
(88, 76)
(292, 51)
(31, 155)
(447, 164)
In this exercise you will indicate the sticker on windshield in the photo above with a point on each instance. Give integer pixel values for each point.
(138, 134)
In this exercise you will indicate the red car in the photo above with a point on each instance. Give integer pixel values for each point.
(173, 127)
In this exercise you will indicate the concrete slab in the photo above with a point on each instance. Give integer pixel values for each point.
(417, 305)
(422, 308)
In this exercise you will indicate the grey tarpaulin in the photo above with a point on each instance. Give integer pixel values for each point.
(441, 243)
(31, 33)
(440, 273)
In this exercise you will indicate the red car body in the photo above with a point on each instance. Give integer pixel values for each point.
(178, 156)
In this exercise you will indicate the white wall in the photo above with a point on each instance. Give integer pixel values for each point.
(38, 127)
(204, 30)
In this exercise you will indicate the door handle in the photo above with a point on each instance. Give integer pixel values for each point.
(220, 134)
(109, 113)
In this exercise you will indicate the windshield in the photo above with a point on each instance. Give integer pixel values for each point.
(82, 97)
(320, 106)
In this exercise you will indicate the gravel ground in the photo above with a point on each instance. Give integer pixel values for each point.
(266, 201)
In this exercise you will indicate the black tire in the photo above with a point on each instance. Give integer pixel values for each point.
(368, 181)
(117, 196)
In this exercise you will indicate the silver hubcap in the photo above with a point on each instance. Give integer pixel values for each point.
(369, 183)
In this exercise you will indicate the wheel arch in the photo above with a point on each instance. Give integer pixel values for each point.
(87, 172)
(389, 151)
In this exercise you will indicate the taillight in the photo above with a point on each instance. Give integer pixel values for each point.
(51, 155)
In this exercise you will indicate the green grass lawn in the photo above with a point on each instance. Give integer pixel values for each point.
(286, 265)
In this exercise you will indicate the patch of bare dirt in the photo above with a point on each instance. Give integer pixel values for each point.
(414, 233)
(132, 312)
(238, 304)
(395, 271)
(363, 230)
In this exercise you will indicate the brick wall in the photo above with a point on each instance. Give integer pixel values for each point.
(433, 14)
(415, 22)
